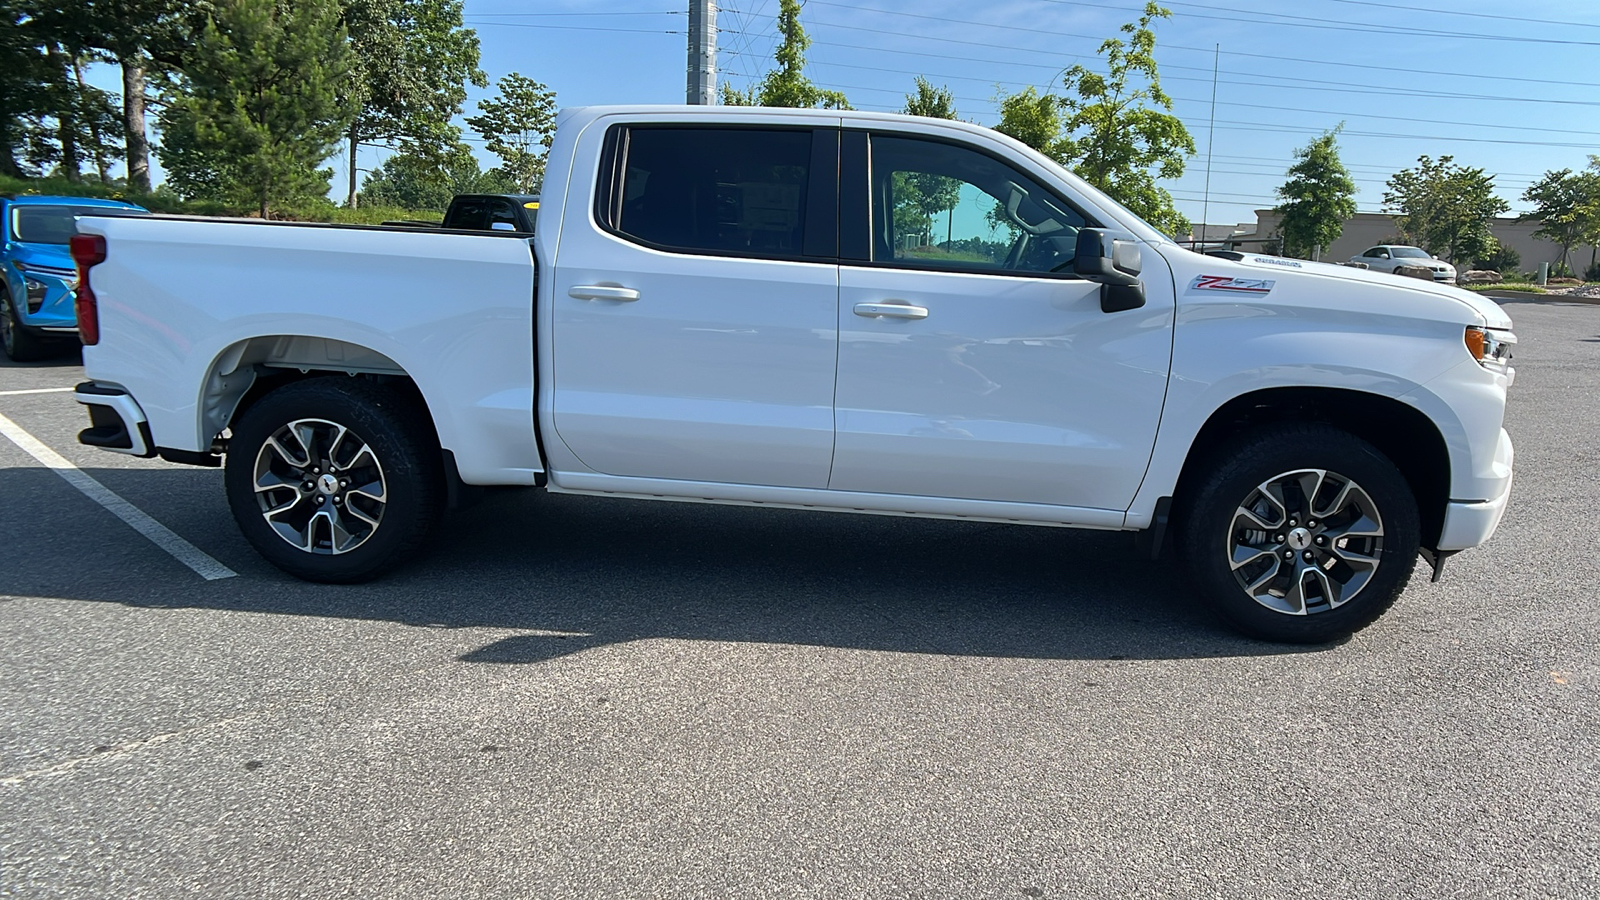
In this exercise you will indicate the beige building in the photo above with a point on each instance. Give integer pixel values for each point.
(1367, 229)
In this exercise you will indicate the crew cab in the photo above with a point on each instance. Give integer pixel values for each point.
(819, 310)
(36, 303)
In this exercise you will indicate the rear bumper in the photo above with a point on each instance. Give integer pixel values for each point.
(1468, 524)
(115, 421)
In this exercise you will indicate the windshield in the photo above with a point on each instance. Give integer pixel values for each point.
(1410, 253)
(54, 224)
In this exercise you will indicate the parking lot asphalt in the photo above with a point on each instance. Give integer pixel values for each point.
(579, 697)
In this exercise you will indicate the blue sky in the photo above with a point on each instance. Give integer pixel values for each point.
(1516, 95)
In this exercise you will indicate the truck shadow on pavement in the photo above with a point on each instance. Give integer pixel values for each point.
(578, 573)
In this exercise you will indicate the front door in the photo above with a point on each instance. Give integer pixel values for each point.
(696, 323)
(971, 363)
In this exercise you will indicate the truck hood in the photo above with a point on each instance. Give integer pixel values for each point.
(1488, 310)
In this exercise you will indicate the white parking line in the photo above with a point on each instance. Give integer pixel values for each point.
(159, 534)
(37, 391)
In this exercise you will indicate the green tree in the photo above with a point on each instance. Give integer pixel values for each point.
(412, 62)
(787, 85)
(22, 77)
(424, 182)
(138, 36)
(1034, 118)
(1567, 207)
(1445, 208)
(930, 102)
(518, 127)
(920, 196)
(260, 111)
(1318, 198)
(1114, 129)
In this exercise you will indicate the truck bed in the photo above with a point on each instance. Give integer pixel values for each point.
(215, 303)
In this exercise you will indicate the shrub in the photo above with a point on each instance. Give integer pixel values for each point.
(1503, 260)
(1592, 273)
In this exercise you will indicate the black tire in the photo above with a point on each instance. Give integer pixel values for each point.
(21, 343)
(404, 454)
(1213, 532)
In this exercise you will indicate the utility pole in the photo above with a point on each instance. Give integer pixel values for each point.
(702, 52)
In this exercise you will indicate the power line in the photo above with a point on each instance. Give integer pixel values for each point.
(636, 12)
(1279, 107)
(1171, 46)
(1451, 12)
(479, 22)
(1384, 90)
(1322, 24)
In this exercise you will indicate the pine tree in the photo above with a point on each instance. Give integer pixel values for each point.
(260, 110)
(1317, 199)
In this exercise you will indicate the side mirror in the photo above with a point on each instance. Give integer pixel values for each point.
(502, 226)
(1112, 260)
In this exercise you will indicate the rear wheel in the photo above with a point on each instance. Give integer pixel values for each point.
(21, 344)
(334, 479)
(1302, 534)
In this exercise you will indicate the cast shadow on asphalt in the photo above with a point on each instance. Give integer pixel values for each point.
(581, 572)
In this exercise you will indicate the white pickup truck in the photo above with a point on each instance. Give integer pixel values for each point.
(816, 310)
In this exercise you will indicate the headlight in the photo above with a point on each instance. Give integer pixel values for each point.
(36, 291)
(1491, 348)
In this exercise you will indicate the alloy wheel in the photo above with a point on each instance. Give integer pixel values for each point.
(320, 486)
(1305, 542)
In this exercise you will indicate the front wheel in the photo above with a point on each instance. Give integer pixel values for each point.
(334, 479)
(1302, 534)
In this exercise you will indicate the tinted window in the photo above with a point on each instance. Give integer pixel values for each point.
(470, 213)
(939, 205)
(504, 213)
(54, 224)
(1410, 253)
(715, 190)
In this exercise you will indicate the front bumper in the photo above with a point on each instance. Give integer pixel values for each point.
(1470, 523)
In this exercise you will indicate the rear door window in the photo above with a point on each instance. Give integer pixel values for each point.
(720, 191)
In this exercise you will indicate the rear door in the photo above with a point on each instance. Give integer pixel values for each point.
(696, 300)
(972, 364)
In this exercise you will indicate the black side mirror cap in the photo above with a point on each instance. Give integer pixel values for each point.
(1113, 260)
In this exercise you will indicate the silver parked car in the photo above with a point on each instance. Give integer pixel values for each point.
(1387, 257)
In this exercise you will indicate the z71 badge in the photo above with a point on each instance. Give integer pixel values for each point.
(1231, 285)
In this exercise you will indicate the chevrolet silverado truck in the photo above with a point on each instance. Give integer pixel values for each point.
(817, 310)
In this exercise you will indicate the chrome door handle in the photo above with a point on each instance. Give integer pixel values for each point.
(602, 292)
(891, 311)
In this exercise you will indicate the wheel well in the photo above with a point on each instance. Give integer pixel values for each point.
(249, 370)
(1400, 432)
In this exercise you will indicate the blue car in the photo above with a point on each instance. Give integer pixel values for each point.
(37, 317)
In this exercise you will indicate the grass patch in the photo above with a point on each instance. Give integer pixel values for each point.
(377, 215)
(1521, 288)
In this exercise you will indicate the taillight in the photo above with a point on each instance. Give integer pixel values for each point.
(88, 251)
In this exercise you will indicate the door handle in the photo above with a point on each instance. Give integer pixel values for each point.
(891, 311)
(602, 292)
